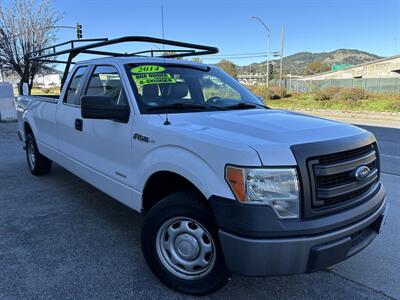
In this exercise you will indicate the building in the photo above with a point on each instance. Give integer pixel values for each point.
(251, 79)
(382, 68)
(11, 77)
(53, 78)
(47, 80)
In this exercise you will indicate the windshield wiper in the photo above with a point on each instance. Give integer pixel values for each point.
(245, 105)
(183, 106)
(264, 106)
(177, 106)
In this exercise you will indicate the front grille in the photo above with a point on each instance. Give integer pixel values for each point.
(340, 178)
(345, 155)
(351, 195)
(333, 180)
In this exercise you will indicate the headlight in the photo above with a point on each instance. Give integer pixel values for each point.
(276, 187)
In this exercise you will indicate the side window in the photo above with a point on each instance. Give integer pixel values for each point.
(75, 85)
(105, 81)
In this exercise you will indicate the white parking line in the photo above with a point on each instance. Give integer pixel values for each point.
(391, 156)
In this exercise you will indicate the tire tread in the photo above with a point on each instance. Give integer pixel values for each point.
(42, 163)
(194, 206)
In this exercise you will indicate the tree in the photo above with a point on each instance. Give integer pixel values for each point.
(172, 53)
(229, 67)
(197, 59)
(316, 67)
(26, 26)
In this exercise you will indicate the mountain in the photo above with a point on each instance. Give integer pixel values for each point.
(296, 64)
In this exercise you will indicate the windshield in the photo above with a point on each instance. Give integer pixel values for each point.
(174, 88)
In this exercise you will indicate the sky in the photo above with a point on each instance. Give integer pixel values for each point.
(314, 26)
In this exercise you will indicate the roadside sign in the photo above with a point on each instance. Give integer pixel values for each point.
(337, 67)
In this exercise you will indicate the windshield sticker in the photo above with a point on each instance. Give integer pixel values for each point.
(153, 78)
(148, 69)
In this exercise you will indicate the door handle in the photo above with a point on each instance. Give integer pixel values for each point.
(78, 124)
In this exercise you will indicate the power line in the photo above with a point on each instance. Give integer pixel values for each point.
(240, 54)
(234, 57)
(258, 54)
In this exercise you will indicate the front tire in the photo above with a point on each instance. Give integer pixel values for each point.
(180, 244)
(37, 163)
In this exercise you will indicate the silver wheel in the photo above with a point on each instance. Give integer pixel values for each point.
(31, 154)
(185, 248)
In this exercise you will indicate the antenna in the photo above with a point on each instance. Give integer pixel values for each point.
(162, 26)
(166, 122)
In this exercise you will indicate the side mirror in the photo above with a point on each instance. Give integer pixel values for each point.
(102, 107)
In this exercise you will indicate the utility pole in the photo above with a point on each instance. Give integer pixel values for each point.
(268, 59)
(281, 66)
(268, 32)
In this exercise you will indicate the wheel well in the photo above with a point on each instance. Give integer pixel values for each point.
(161, 184)
(27, 129)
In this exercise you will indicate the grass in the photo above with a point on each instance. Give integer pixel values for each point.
(340, 99)
(308, 102)
(41, 91)
(46, 91)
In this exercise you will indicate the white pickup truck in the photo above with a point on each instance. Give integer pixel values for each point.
(226, 184)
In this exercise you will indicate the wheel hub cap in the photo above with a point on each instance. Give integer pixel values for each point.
(187, 246)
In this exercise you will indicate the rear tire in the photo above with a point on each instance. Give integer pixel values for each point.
(37, 163)
(181, 246)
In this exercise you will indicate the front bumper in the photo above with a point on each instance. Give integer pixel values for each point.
(301, 253)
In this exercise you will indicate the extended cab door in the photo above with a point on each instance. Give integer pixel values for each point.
(107, 147)
(69, 120)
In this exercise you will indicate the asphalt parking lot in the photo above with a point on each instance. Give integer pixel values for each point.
(61, 238)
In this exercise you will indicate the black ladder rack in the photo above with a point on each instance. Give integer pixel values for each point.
(75, 49)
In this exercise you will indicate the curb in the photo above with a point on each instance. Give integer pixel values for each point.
(377, 116)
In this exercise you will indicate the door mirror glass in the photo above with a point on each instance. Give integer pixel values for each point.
(103, 107)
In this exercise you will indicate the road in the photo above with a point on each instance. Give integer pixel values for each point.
(61, 238)
(389, 147)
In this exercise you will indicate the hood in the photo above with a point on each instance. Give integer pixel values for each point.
(269, 132)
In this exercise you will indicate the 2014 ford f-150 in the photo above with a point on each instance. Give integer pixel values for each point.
(226, 184)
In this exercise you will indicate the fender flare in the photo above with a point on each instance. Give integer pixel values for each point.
(28, 119)
(185, 163)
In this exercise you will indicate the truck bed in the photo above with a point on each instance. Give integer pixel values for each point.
(42, 109)
(47, 98)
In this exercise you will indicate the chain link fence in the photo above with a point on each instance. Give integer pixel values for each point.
(379, 85)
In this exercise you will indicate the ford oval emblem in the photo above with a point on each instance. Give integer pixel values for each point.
(361, 173)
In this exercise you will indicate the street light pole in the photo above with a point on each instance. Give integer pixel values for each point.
(268, 32)
(281, 64)
(42, 28)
